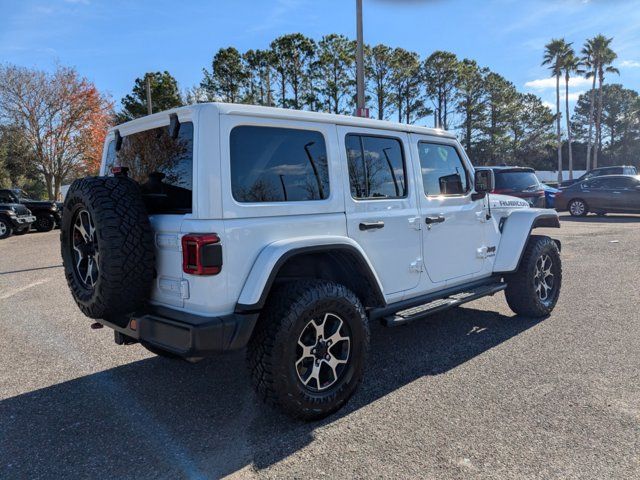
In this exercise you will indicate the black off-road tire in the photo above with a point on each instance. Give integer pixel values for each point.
(125, 242)
(271, 352)
(44, 222)
(7, 230)
(578, 212)
(521, 293)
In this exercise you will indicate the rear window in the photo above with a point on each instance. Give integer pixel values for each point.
(516, 180)
(271, 164)
(162, 165)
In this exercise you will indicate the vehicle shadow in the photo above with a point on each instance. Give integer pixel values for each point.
(609, 218)
(158, 418)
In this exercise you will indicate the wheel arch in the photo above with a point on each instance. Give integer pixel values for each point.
(516, 230)
(339, 259)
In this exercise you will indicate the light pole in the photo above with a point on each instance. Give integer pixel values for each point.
(361, 110)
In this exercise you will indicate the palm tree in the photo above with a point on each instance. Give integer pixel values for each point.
(604, 65)
(554, 54)
(598, 57)
(571, 64)
(589, 60)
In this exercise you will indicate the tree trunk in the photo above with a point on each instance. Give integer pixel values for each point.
(49, 182)
(57, 183)
(591, 109)
(566, 98)
(558, 115)
(598, 121)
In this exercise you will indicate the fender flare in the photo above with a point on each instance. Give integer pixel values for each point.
(516, 229)
(272, 257)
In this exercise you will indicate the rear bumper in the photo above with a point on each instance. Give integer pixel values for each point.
(186, 334)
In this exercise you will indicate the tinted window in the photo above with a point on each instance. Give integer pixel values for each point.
(278, 165)
(376, 167)
(618, 183)
(522, 180)
(161, 164)
(7, 197)
(443, 172)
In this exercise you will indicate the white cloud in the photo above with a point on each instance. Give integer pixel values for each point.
(630, 64)
(548, 83)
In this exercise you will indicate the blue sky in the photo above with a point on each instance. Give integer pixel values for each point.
(113, 42)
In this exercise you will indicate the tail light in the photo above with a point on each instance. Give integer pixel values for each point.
(201, 254)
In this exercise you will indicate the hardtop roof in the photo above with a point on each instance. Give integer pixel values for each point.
(287, 114)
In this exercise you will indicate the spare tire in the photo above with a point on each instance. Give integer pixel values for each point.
(107, 247)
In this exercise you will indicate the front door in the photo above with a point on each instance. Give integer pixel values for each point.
(453, 223)
(380, 204)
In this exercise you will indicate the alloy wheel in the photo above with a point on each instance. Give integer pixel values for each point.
(85, 249)
(323, 352)
(577, 208)
(543, 279)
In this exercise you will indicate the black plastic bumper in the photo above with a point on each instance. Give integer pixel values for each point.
(186, 334)
(22, 221)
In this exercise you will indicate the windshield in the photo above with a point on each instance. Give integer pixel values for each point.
(516, 180)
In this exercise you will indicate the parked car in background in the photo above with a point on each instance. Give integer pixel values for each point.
(601, 195)
(599, 172)
(519, 182)
(14, 219)
(549, 195)
(48, 214)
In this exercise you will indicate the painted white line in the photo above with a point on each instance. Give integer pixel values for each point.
(22, 289)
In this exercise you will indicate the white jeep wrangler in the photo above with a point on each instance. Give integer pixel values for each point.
(218, 226)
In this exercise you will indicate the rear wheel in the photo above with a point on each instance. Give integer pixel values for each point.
(308, 352)
(578, 208)
(5, 228)
(533, 290)
(44, 222)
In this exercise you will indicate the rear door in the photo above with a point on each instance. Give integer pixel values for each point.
(163, 166)
(380, 202)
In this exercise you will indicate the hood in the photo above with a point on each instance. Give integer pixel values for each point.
(38, 203)
(16, 207)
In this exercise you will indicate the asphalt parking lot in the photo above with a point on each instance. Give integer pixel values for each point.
(473, 393)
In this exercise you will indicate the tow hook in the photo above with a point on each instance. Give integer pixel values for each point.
(96, 326)
(122, 339)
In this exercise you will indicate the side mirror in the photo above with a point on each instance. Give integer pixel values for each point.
(484, 182)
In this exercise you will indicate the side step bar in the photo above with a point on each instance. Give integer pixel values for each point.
(409, 315)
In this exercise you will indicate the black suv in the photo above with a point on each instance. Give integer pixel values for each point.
(14, 218)
(48, 214)
(601, 171)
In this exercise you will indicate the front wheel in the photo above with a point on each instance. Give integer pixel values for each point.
(5, 229)
(533, 290)
(44, 222)
(578, 208)
(307, 355)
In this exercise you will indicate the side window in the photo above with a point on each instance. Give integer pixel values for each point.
(619, 183)
(443, 171)
(163, 166)
(5, 197)
(376, 167)
(271, 164)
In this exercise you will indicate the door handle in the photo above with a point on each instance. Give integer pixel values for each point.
(371, 225)
(431, 220)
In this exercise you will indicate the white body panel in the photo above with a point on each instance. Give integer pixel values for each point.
(406, 257)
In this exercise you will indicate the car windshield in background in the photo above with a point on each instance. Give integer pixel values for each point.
(516, 180)
(161, 164)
